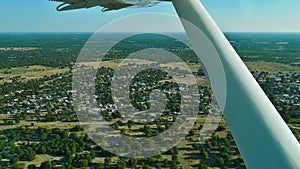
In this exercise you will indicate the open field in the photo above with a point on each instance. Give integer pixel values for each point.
(271, 67)
(253, 66)
(182, 66)
(18, 49)
(29, 72)
(49, 125)
(117, 62)
(39, 159)
(37, 71)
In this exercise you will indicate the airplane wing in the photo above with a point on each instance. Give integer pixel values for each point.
(78, 4)
(75, 4)
(107, 4)
(115, 6)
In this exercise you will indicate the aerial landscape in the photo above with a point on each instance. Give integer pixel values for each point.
(40, 127)
(171, 84)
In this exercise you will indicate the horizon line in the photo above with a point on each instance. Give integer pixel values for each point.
(87, 32)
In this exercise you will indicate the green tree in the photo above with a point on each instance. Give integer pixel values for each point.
(121, 164)
(130, 124)
(44, 136)
(175, 150)
(99, 166)
(83, 163)
(204, 154)
(31, 166)
(76, 128)
(42, 150)
(31, 155)
(202, 166)
(158, 166)
(46, 165)
(220, 162)
(146, 167)
(107, 162)
(19, 166)
(14, 160)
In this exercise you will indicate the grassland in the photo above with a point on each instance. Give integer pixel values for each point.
(272, 67)
(35, 124)
(18, 49)
(39, 159)
(29, 72)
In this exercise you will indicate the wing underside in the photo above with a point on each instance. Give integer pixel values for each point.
(115, 6)
(107, 5)
(73, 4)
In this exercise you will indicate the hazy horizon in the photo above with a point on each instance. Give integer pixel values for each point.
(230, 15)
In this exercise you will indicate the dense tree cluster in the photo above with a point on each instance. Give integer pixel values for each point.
(268, 47)
(53, 50)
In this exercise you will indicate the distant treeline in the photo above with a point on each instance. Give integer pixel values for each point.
(140, 42)
(268, 47)
(62, 49)
(54, 50)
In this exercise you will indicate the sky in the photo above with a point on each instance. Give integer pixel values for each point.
(230, 15)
